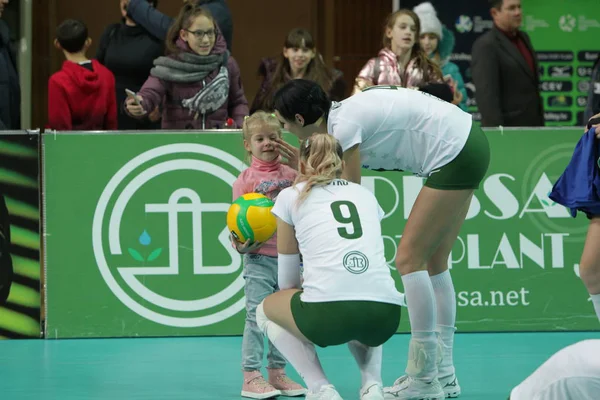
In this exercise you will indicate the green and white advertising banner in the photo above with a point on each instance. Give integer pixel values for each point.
(136, 242)
(565, 37)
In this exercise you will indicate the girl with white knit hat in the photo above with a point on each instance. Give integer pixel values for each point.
(438, 43)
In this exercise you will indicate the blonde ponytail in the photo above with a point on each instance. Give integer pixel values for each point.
(320, 162)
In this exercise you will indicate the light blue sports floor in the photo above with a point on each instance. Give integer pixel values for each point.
(488, 366)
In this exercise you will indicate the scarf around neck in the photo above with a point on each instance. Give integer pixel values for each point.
(187, 67)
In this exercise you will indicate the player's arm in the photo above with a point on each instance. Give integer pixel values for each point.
(288, 256)
(352, 165)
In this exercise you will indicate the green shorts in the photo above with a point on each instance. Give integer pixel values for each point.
(469, 167)
(337, 322)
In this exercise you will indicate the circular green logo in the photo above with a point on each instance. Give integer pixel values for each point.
(356, 262)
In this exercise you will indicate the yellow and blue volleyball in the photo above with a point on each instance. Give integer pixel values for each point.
(249, 217)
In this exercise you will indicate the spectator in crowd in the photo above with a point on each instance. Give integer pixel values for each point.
(199, 83)
(128, 51)
(10, 92)
(593, 102)
(438, 43)
(505, 71)
(81, 96)
(158, 24)
(401, 62)
(6, 267)
(299, 59)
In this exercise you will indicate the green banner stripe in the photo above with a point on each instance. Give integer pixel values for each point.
(24, 237)
(21, 209)
(14, 149)
(14, 178)
(19, 323)
(26, 267)
(24, 296)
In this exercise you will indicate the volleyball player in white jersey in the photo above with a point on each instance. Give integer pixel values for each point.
(347, 294)
(389, 128)
(572, 373)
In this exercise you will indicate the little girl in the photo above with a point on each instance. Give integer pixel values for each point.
(267, 175)
(198, 85)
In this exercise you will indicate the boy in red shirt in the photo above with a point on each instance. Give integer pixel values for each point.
(81, 96)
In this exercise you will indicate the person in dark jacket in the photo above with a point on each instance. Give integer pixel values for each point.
(10, 91)
(6, 267)
(158, 23)
(128, 51)
(505, 71)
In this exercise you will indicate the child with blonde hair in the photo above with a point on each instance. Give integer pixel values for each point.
(266, 175)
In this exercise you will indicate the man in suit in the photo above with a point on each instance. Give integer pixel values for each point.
(505, 71)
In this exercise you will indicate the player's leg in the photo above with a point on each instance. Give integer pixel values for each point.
(432, 220)
(365, 342)
(369, 361)
(275, 319)
(445, 297)
(589, 266)
(430, 232)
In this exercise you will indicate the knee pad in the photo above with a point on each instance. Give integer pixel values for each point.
(267, 327)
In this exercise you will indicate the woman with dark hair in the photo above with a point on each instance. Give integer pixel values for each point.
(128, 51)
(299, 59)
(392, 128)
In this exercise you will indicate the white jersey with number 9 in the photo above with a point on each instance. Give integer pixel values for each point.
(338, 228)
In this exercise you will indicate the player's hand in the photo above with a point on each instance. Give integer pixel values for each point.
(134, 109)
(246, 247)
(290, 153)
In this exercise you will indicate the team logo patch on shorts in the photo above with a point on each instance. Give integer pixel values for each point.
(356, 262)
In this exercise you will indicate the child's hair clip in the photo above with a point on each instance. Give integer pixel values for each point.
(273, 115)
(246, 117)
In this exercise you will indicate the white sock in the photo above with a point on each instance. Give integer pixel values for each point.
(445, 298)
(301, 354)
(596, 301)
(369, 361)
(422, 355)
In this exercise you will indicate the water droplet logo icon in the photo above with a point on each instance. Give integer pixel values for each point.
(145, 238)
